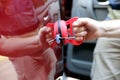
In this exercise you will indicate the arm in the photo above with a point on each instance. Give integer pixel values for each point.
(91, 29)
(110, 28)
(18, 46)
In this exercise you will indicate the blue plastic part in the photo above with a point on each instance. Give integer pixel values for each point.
(57, 38)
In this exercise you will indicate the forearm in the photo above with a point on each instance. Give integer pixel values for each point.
(19, 46)
(110, 29)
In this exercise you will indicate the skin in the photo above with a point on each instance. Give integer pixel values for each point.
(89, 29)
(19, 46)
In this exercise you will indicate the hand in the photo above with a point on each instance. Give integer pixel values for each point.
(86, 28)
(45, 34)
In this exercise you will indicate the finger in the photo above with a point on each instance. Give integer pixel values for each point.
(49, 35)
(79, 38)
(44, 30)
(75, 23)
(79, 29)
(81, 34)
(75, 29)
(80, 22)
(49, 39)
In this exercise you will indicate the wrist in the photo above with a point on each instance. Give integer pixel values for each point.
(103, 29)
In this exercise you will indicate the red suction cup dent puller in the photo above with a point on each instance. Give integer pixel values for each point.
(63, 32)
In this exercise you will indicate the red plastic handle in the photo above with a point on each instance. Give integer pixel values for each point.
(70, 22)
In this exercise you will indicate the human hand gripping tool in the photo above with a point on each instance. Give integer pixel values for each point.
(63, 32)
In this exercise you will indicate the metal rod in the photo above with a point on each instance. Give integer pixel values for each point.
(66, 37)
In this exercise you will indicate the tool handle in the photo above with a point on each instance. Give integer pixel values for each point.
(52, 43)
(71, 32)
